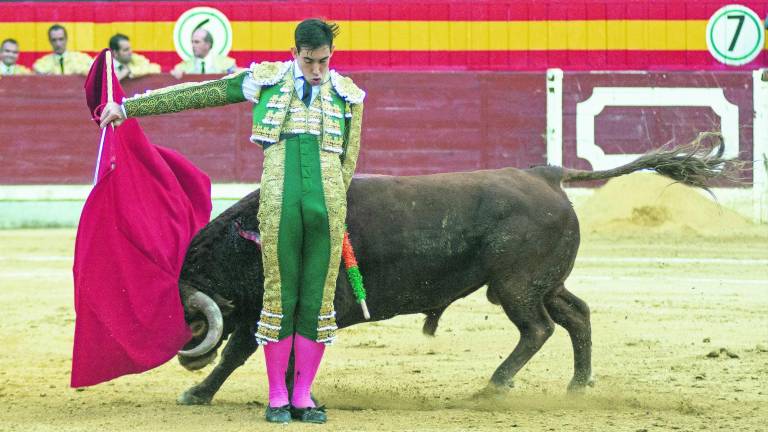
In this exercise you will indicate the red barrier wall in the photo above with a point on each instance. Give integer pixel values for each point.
(414, 123)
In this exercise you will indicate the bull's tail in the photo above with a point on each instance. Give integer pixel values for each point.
(693, 164)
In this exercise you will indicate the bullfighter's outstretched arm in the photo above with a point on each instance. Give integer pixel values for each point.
(195, 95)
(238, 87)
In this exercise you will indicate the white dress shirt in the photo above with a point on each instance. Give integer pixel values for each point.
(5, 69)
(298, 83)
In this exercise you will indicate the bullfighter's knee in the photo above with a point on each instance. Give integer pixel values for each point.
(315, 217)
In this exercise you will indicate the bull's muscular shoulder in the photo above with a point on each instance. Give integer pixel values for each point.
(269, 73)
(346, 88)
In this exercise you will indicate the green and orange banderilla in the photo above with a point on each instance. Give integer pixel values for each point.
(353, 273)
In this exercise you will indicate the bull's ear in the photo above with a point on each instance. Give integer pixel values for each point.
(226, 306)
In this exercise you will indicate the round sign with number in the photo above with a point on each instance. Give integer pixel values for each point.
(207, 18)
(735, 35)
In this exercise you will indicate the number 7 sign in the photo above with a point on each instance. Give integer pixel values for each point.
(735, 35)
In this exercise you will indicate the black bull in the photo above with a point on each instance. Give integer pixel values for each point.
(422, 243)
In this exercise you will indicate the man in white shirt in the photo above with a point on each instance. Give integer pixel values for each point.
(61, 61)
(204, 61)
(9, 55)
(129, 64)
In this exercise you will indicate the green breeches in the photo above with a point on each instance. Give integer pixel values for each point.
(301, 221)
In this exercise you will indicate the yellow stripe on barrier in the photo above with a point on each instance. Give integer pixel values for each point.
(398, 35)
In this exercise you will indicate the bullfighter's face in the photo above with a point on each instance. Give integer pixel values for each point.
(314, 63)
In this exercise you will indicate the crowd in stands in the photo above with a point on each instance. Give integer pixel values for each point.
(128, 64)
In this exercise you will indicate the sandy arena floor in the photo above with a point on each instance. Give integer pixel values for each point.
(658, 308)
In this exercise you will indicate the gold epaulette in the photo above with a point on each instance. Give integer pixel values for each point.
(346, 88)
(269, 73)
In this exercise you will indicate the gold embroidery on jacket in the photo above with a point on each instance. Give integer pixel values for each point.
(270, 207)
(178, 98)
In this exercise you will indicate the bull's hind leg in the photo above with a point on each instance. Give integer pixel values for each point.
(524, 307)
(240, 346)
(572, 314)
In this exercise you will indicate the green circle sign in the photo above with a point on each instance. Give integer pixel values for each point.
(208, 18)
(735, 35)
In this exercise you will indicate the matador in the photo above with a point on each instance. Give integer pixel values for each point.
(307, 119)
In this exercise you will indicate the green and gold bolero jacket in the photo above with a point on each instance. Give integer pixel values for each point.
(336, 119)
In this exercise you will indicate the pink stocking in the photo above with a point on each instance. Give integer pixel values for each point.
(277, 355)
(308, 354)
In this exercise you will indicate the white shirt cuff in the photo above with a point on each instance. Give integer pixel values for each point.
(251, 90)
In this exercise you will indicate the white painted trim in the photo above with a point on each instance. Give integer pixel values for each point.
(555, 117)
(80, 192)
(232, 190)
(44, 192)
(586, 111)
(760, 147)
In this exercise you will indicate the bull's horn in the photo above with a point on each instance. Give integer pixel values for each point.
(209, 308)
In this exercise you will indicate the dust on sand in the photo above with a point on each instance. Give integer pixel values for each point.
(649, 204)
(660, 306)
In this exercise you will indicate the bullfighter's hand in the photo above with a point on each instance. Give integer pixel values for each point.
(113, 114)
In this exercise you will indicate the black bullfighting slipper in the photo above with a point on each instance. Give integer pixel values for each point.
(278, 415)
(309, 415)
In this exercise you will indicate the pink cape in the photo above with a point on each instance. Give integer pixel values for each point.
(133, 234)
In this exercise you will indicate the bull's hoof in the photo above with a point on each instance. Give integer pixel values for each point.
(577, 387)
(494, 391)
(191, 397)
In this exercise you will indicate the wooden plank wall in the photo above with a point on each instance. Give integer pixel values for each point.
(415, 123)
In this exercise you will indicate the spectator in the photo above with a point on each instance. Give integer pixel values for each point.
(61, 61)
(128, 64)
(204, 61)
(9, 54)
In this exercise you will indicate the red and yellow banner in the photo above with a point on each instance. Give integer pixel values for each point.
(431, 34)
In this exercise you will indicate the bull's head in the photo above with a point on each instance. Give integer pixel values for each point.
(221, 259)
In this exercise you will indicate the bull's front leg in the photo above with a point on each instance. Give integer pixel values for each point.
(240, 346)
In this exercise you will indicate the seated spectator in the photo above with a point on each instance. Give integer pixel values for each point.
(204, 61)
(129, 64)
(61, 61)
(9, 55)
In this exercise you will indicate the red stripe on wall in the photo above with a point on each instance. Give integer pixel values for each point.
(483, 60)
(424, 10)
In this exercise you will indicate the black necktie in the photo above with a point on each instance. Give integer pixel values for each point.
(307, 96)
(202, 67)
(61, 64)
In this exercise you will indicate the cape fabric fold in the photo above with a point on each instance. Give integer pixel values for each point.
(136, 225)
